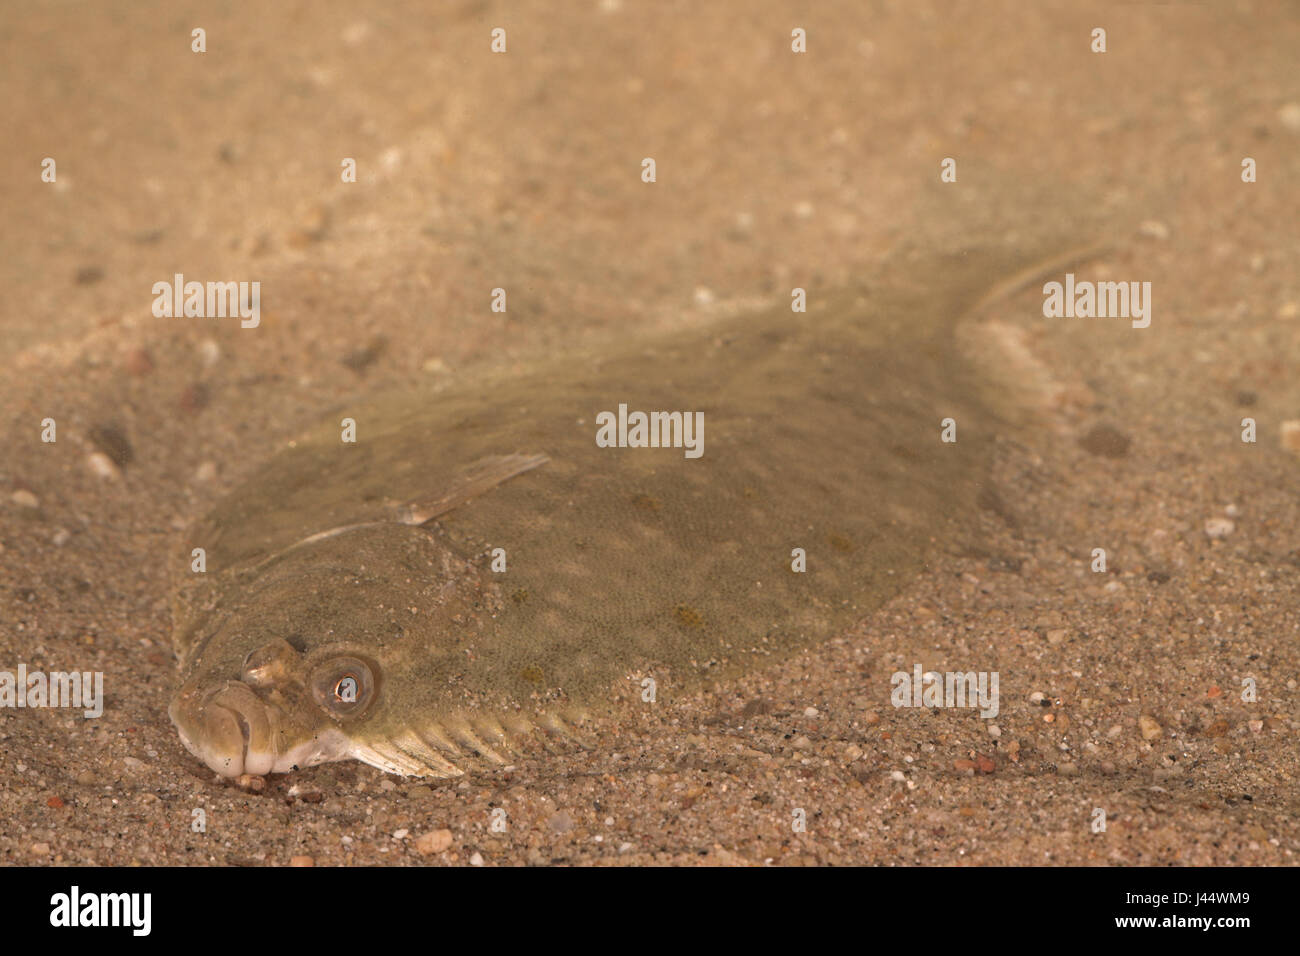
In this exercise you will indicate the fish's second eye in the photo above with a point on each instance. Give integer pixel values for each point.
(343, 686)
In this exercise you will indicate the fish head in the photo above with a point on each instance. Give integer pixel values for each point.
(287, 708)
(318, 657)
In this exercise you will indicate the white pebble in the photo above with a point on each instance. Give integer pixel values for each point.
(102, 466)
(1289, 116)
(25, 499)
(1219, 527)
(810, 712)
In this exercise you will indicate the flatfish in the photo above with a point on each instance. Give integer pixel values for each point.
(477, 567)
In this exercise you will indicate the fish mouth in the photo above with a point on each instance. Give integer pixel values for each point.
(234, 731)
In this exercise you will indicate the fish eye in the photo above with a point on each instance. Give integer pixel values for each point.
(343, 686)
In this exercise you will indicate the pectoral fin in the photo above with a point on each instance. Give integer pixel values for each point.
(476, 478)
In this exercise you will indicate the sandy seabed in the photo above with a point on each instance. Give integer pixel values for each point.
(1120, 691)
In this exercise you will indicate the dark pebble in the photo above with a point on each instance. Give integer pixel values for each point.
(1107, 441)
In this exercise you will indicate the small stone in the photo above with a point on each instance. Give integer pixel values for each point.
(25, 499)
(624, 848)
(871, 718)
(1289, 116)
(133, 763)
(101, 466)
(1255, 726)
(897, 776)
(1149, 726)
(138, 362)
(251, 782)
(703, 297)
(1106, 441)
(1067, 770)
(206, 472)
(810, 712)
(1154, 229)
(801, 743)
(560, 822)
(1036, 697)
(984, 764)
(1219, 527)
(1217, 729)
(803, 210)
(209, 352)
(436, 841)
(61, 537)
(852, 752)
(964, 765)
(55, 803)
(301, 861)
(1056, 635)
(400, 834)
(40, 849)
(476, 859)
(1290, 431)
(995, 730)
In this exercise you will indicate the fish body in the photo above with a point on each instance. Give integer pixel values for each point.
(476, 565)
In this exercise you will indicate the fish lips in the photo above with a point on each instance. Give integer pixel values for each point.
(234, 731)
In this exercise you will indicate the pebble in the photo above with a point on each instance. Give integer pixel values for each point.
(703, 297)
(400, 834)
(1106, 441)
(897, 776)
(1036, 697)
(476, 859)
(1291, 435)
(25, 499)
(249, 781)
(1219, 527)
(1289, 116)
(209, 352)
(40, 849)
(101, 466)
(810, 712)
(138, 362)
(1154, 229)
(436, 841)
(995, 730)
(206, 471)
(1149, 726)
(301, 861)
(560, 822)
(1056, 635)
(61, 537)
(852, 752)
(1255, 726)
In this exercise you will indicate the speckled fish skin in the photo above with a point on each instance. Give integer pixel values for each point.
(822, 432)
